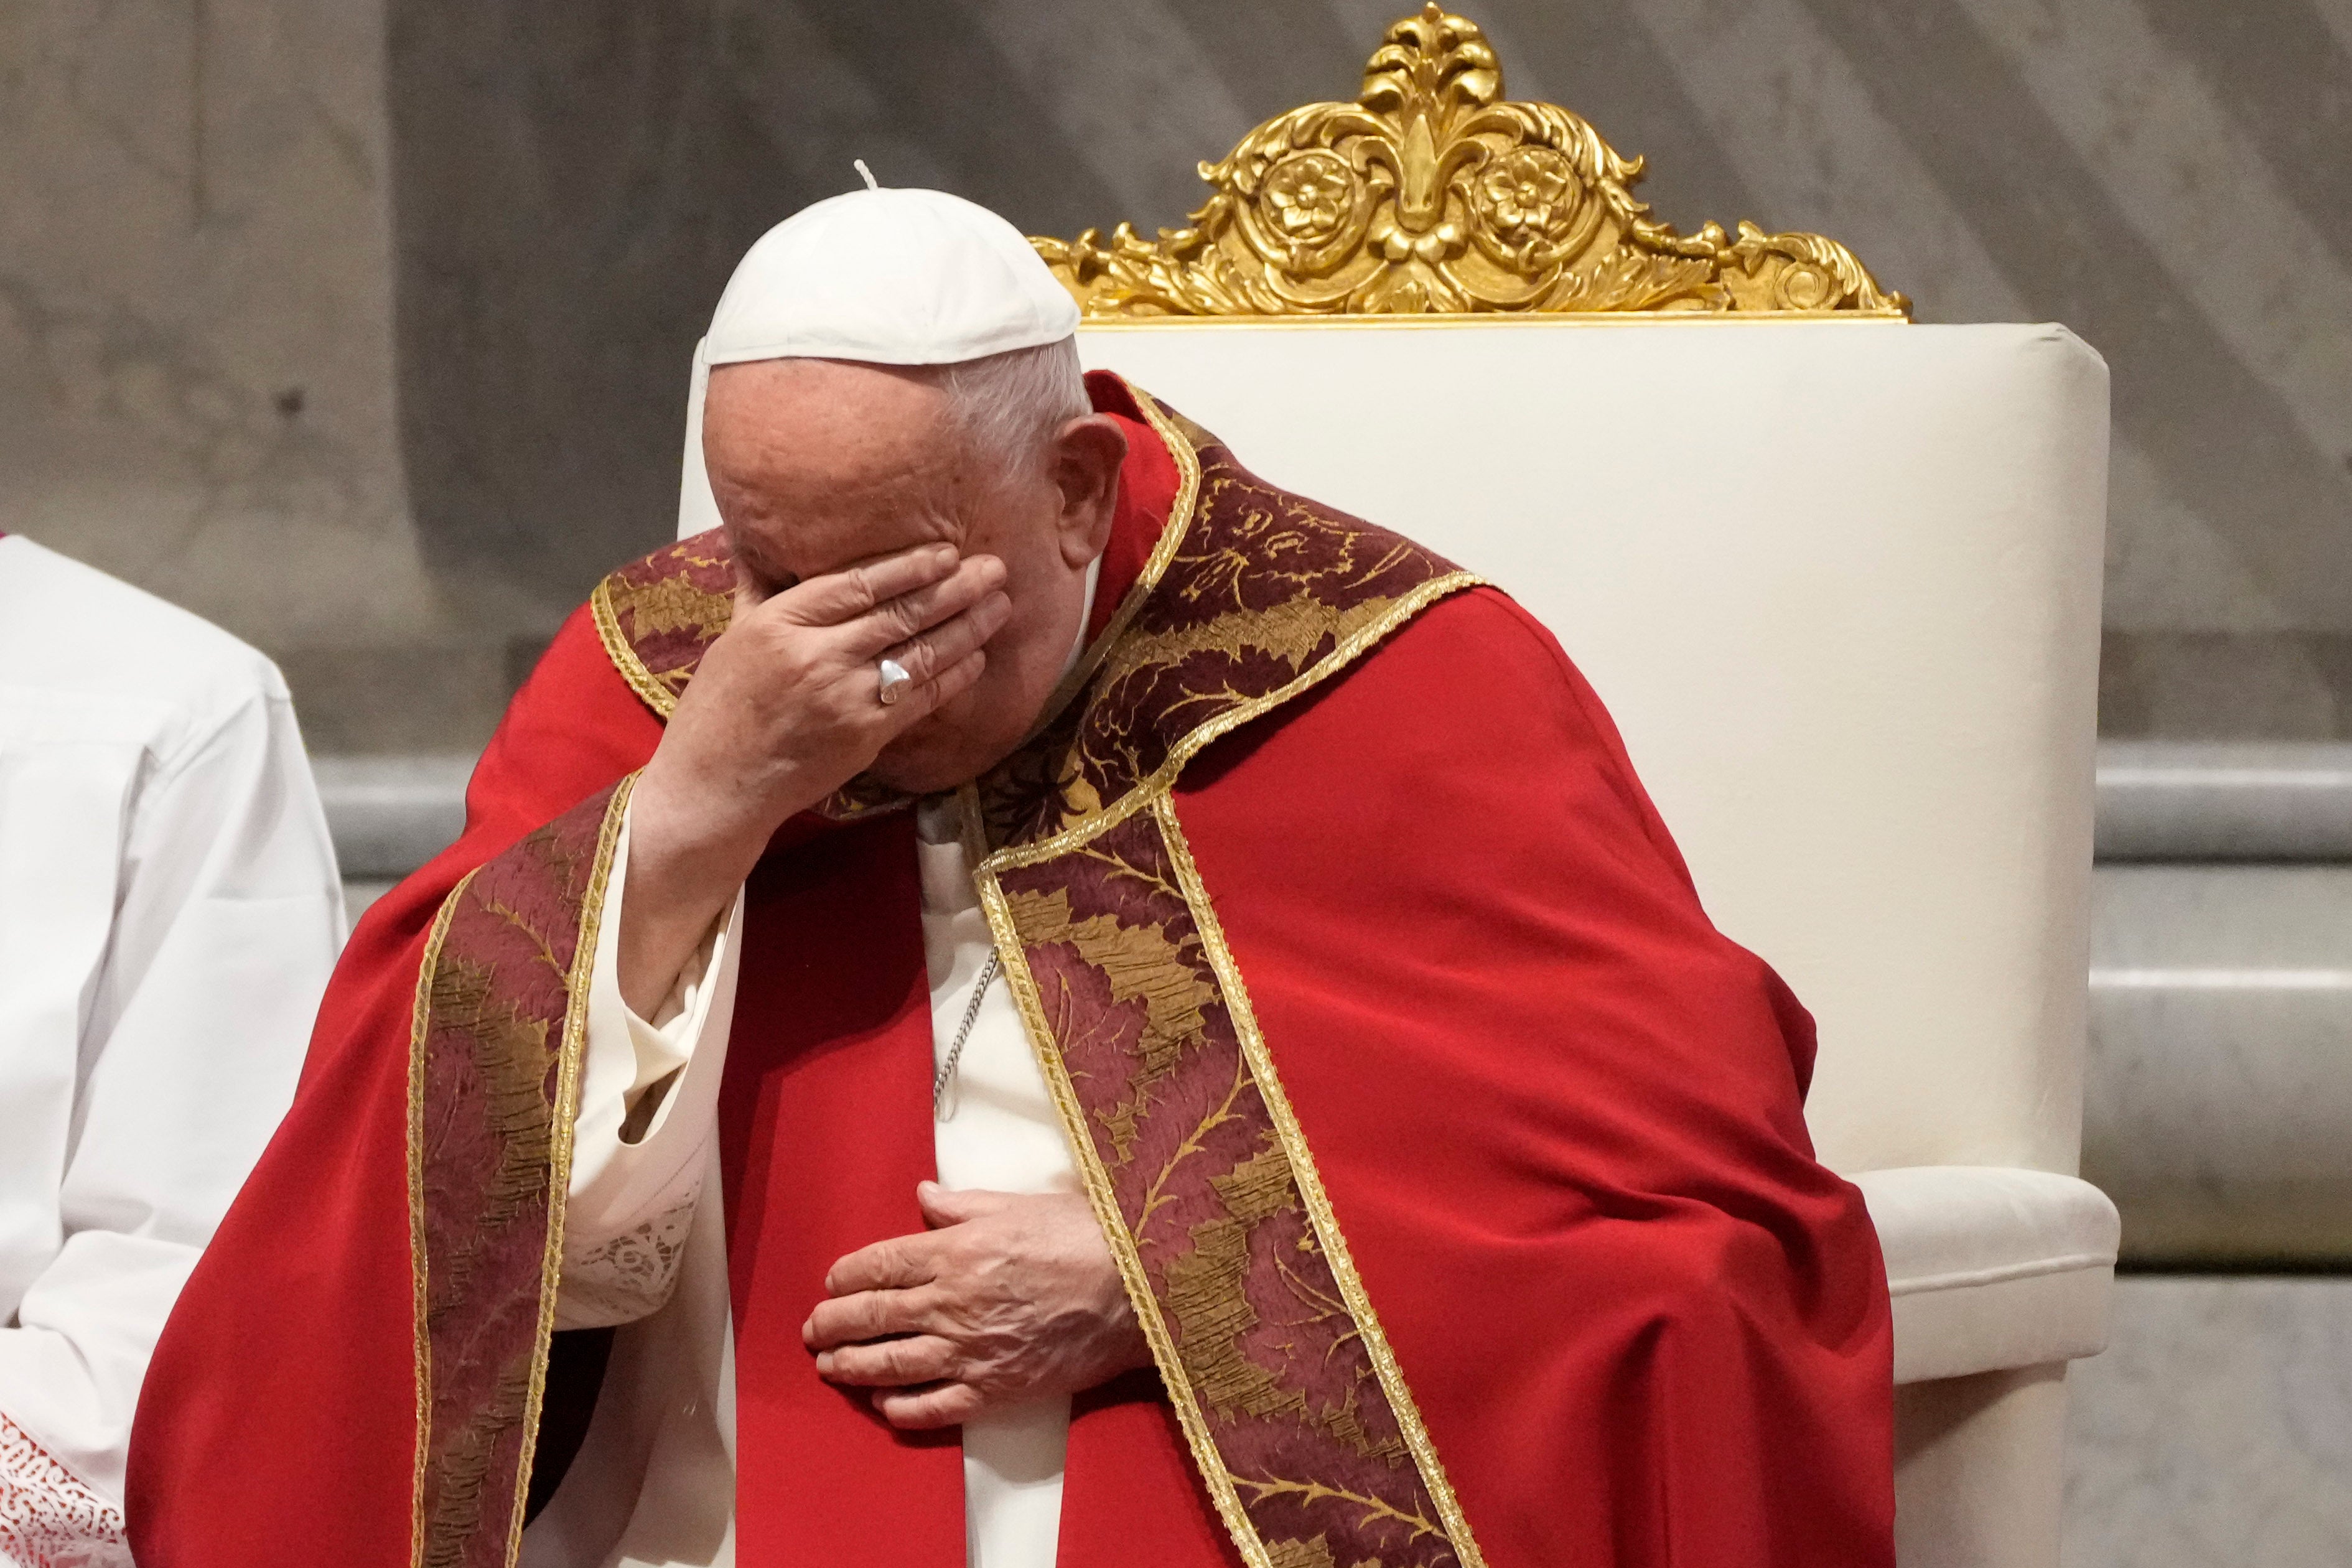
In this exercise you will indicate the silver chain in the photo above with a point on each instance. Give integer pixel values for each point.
(941, 1110)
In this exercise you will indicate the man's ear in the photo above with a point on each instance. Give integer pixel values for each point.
(1088, 452)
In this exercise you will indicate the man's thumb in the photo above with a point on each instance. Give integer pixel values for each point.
(947, 1205)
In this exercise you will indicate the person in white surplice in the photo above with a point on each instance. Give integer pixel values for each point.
(169, 915)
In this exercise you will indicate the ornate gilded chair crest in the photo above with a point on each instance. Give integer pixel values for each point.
(1433, 193)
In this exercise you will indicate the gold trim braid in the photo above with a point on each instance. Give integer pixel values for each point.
(656, 615)
(1310, 1182)
(1164, 778)
(651, 692)
(1435, 193)
(1155, 565)
(497, 1033)
(566, 1118)
(420, 1019)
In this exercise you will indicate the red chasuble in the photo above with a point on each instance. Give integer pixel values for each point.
(1455, 1164)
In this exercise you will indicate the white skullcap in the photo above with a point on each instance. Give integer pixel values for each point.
(881, 276)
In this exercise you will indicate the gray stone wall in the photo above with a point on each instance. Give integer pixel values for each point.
(197, 387)
(365, 332)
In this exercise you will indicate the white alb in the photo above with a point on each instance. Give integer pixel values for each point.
(169, 914)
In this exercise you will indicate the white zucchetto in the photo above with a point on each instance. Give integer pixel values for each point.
(889, 277)
(881, 276)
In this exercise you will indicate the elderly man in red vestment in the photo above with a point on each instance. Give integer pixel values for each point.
(1030, 998)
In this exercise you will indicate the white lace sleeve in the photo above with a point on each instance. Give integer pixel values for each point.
(49, 1517)
(647, 1133)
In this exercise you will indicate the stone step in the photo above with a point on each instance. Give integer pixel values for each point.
(2205, 800)
(2217, 1093)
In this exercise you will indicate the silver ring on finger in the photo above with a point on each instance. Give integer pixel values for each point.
(895, 681)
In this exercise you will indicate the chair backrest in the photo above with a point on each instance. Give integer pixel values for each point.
(1838, 581)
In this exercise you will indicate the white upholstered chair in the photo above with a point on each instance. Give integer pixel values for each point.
(1837, 577)
(1838, 582)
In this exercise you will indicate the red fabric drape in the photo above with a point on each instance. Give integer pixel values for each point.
(1559, 1115)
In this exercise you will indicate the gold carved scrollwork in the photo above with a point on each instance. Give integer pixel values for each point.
(1432, 193)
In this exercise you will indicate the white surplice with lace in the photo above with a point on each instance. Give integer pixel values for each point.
(169, 914)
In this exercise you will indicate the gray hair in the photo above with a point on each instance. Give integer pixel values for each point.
(1010, 404)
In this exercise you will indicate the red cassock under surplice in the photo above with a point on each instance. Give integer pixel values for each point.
(1456, 1164)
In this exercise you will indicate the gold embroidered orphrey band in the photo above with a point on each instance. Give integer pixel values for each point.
(1434, 194)
(1298, 1417)
(496, 1045)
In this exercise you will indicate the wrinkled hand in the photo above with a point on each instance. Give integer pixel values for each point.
(1007, 1298)
(781, 711)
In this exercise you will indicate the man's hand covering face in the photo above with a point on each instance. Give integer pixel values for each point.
(784, 709)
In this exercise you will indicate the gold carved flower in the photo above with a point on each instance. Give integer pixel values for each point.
(1311, 195)
(1527, 197)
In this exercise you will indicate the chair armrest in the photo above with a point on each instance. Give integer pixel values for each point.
(1992, 1267)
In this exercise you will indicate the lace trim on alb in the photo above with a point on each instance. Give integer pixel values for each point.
(49, 1517)
(629, 1276)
